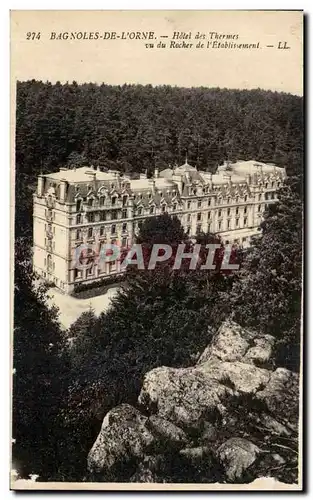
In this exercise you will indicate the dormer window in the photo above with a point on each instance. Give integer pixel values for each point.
(194, 191)
(163, 209)
(90, 202)
(101, 201)
(139, 211)
(245, 198)
(113, 200)
(78, 205)
(78, 219)
(175, 206)
(124, 200)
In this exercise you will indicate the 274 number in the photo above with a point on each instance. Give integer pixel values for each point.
(33, 35)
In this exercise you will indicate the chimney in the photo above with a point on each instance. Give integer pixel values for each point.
(156, 173)
(62, 190)
(40, 185)
(153, 189)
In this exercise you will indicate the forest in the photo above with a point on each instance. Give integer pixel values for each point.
(133, 128)
(65, 381)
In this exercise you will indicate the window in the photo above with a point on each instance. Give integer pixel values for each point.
(245, 210)
(78, 219)
(101, 201)
(124, 228)
(209, 215)
(188, 218)
(266, 185)
(103, 216)
(139, 211)
(188, 230)
(113, 200)
(188, 204)
(228, 212)
(151, 210)
(228, 201)
(90, 231)
(78, 234)
(237, 222)
(113, 229)
(237, 211)
(198, 228)
(90, 202)
(90, 270)
(113, 215)
(245, 198)
(124, 242)
(228, 224)
(124, 200)
(199, 204)
(175, 206)
(219, 226)
(101, 230)
(112, 267)
(260, 196)
(194, 191)
(237, 199)
(219, 213)
(209, 202)
(199, 216)
(163, 208)
(124, 213)
(245, 221)
(259, 208)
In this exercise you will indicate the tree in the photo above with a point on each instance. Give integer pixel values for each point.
(39, 380)
(267, 294)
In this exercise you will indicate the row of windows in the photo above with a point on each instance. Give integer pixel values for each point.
(219, 214)
(91, 201)
(102, 231)
(219, 226)
(110, 268)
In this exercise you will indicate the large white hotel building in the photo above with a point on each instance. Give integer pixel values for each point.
(87, 205)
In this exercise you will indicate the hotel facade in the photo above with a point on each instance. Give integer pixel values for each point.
(95, 207)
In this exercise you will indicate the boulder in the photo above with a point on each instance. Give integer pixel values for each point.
(168, 433)
(234, 343)
(236, 456)
(261, 351)
(184, 396)
(122, 437)
(281, 395)
(239, 376)
(230, 343)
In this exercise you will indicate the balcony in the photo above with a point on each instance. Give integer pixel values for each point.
(50, 202)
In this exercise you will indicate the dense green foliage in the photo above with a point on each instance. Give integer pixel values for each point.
(267, 292)
(40, 365)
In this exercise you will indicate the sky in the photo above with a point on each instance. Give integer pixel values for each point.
(118, 61)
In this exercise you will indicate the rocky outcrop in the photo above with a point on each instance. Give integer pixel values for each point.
(227, 418)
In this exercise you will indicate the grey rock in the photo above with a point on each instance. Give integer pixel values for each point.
(166, 431)
(236, 456)
(123, 435)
